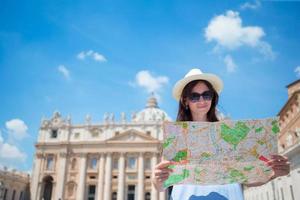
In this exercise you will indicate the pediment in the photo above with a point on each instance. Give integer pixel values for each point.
(132, 136)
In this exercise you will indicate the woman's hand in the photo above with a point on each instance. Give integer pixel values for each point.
(280, 165)
(161, 173)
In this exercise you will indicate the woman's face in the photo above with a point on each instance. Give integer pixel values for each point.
(201, 106)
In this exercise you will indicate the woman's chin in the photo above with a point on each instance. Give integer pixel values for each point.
(202, 110)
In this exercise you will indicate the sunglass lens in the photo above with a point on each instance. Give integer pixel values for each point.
(194, 97)
(208, 95)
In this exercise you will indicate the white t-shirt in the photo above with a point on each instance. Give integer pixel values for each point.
(207, 192)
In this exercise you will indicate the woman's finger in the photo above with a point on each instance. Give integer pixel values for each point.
(160, 171)
(163, 164)
(279, 157)
(279, 164)
(161, 174)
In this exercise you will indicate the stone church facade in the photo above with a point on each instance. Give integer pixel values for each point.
(14, 185)
(287, 187)
(109, 160)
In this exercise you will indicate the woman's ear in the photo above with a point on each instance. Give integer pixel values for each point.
(184, 104)
(182, 101)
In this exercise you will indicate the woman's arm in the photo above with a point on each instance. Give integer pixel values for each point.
(259, 183)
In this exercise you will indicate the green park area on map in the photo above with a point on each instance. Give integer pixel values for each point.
(220, 152)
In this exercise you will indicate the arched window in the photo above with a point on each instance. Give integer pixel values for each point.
(147, 196)
(114, 196)
(47, 185)
(53, 133)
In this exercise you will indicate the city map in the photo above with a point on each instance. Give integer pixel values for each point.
(233, 151)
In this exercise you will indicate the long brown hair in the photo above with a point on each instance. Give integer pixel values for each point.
(185, 114)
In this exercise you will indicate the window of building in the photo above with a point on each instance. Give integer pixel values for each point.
(21, 195)
(131, 177)
(91, 192)
(148, 163)
(131, 163)
(148, 132)
(114, 196)
(93, 163)
(117, 133)
(95, 134)
(54, 133)
(50, 162)
(115, 163)
(5, 194)
(77, 135)
(13, 195)
(131, 191)
(115, 177)
(147, 196)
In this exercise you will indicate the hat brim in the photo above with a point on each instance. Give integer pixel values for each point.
(216, 82)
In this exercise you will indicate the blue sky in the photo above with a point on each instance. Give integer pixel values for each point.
(92, 57)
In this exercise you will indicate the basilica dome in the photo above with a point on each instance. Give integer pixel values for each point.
(152, 112)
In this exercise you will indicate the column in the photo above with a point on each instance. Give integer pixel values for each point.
(162, 195)
(121, 177)
(296, 182)
(100, 177)
(35, 177)
(61, 176)
(81, 184)
(154, 192)
(39, 190)
(141, 194)
(107, 185)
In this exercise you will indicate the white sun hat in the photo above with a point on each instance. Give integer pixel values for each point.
(197, 74)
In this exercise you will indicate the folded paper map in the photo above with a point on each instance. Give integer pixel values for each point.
(220, 152)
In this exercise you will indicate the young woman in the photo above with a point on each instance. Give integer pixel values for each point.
(198, 95)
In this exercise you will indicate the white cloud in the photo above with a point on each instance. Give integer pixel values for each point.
(297, 71)
(64, 71)
(99, 57)
(230, 65)
(17, 128)
(91, 54)
(10, 152)
(228, 31)
(81, 56)
(146, 80)
(253, 6)
(266, 49)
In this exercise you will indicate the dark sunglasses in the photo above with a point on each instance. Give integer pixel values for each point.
(207, 96)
